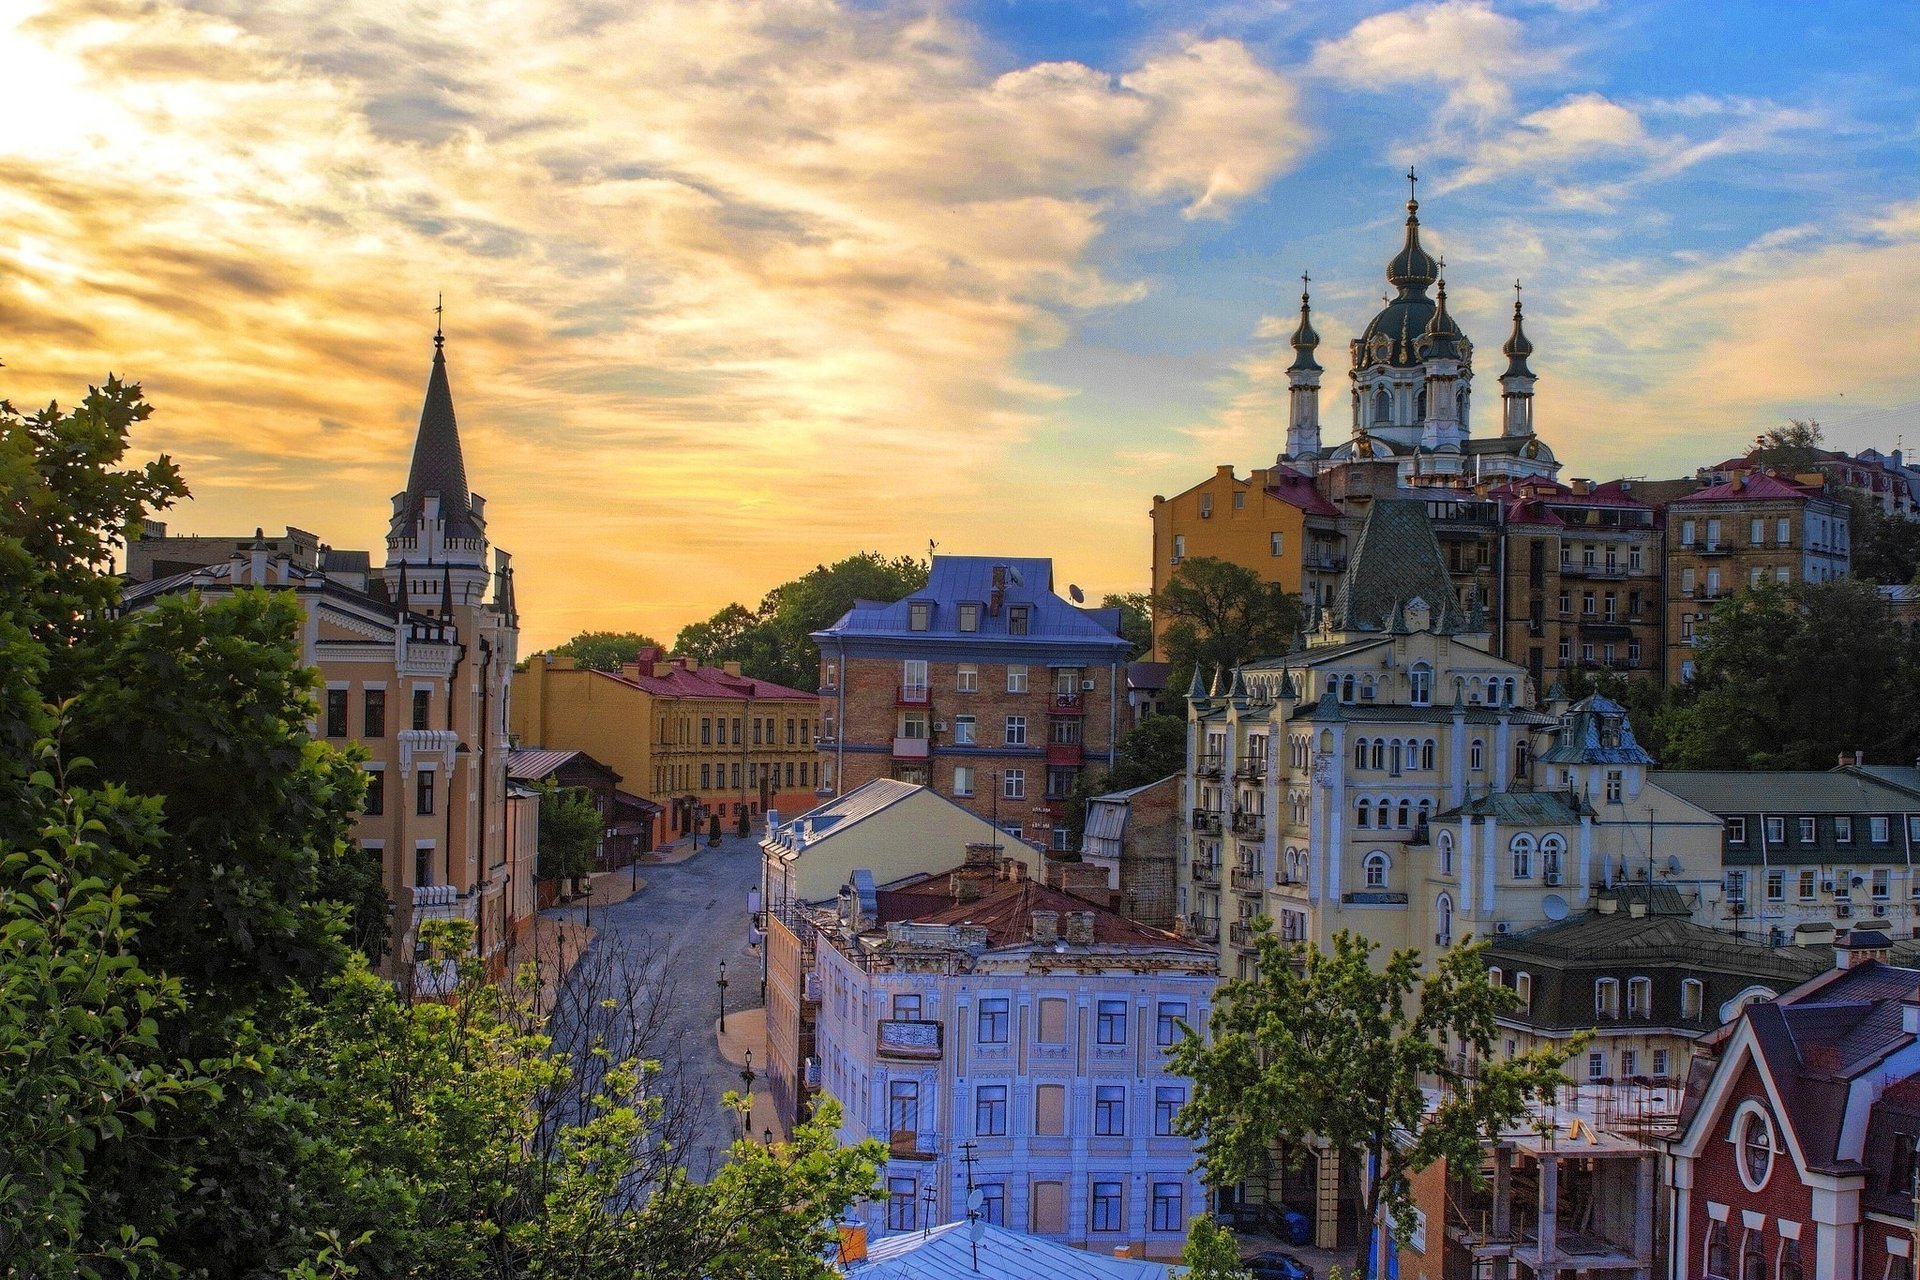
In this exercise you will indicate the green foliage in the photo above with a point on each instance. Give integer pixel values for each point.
(1794, 448)
(569, 833)
(1211, 1252)
(1136, 619)
(1219, 614)
(605, 650)
(774, 641)
(1790, 675)
(1324, 1045)
(1882, 548)
(1148, 752)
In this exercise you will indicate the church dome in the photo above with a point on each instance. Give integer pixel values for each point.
(1393, 336)
(1413, 267)
(1305, 340)
(1517, 348)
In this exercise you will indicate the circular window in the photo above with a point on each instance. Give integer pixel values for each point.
(1756, 1150)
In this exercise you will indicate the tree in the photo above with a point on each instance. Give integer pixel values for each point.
(1789, 676)
(1219, 615)
(605, 650)
(721, 638)
(1211, 1253)
(1794, 448)
(1136, 619)
(569, 833)
(1148, 752)
(1325, 1046)
(1882, 548)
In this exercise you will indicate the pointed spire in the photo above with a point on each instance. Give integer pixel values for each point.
(1238, 692)
(1442, 336)
(1517, 348)
(1304, 338)
(1219, 682)
(1413, 268)
(438, 466)
(1196, 688)
(1288, 689)
(446, 590)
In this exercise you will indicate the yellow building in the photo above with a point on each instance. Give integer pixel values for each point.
(698, 741)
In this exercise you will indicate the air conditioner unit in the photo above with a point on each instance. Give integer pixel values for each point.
(939, 726)
(1177, 559)
(810, 986)
(1554, 877)
(1843, 910)
(1826, 886)
(1503, 927)
(1086, 686)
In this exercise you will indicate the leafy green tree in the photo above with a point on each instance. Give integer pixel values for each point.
(1793, 448)
(1324, 1045)
(605, 650)
(1882, 548)
(722, 638)
(569, 833)
(1211, 1252)
(1148, 752)
(1790, 675)
(1219, 614)
(1136, 619)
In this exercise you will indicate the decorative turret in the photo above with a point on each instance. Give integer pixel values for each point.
(1442, 349)
(1413, 268)
(1303, 384)
(1516, 384)
(437, 538)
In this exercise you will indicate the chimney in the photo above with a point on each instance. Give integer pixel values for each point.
(731, 668)
(1046, 928)
(1014, 870)
(1858, 946)
(1080, 928)
(1859, 759)
(1582, 487)
(1846, 758)
(998, 595)
(662, 669)
(982, 854)
(1910, 1017)
(1636, 909)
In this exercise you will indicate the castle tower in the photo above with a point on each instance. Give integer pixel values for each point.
(437, 539)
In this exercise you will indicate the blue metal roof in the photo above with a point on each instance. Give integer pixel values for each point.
(957, 580)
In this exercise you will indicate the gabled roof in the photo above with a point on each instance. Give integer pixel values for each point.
(527, 764)
(1783, 791)
(1522, 808)
(957, 580)
(1756, 486)
(1395, 560)
(1296, 489)
(855, 806)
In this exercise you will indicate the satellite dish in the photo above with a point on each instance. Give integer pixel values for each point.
(975, 1199)
(1554, 907)
(1013, 575)
(977, 1230)
(1079, 596)
(1673, 864)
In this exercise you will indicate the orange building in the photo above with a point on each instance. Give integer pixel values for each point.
(697, 741)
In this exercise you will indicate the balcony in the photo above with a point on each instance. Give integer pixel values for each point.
(1206, 821)
(910, 1039)
(1253, 769)
(1373, 898)
(1211, 767)
(1241, 936)
(910, 748)
(1207, 873)
(1246, 880)
(1204, 928)
(1066, 704)
(908, 1144)
(910, 695)
(1253, 826)
(1066, 754)
(1714, 549)
(1326, 564)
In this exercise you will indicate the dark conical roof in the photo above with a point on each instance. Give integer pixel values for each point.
(1395, 560)
(1442, 337)
(437, 463)
(1517, 348)
(1305, 339)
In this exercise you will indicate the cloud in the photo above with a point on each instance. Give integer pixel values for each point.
(702, 262)
(1464, 47)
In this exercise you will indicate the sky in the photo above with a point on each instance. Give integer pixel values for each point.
(733, 289)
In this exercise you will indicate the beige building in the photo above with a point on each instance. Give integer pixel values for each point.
(416, 660)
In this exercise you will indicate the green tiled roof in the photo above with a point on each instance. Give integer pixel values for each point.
(1395, 560)
(1522, 808)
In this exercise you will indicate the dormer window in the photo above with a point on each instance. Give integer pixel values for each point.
(1019, 618)
(919, 615)
(970, 617)
(1736, 830)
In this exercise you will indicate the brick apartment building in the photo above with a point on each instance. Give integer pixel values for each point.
(985, 686)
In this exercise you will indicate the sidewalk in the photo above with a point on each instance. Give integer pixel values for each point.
(669, 854)
(747, 1030)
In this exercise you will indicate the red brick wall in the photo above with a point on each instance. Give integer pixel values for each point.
(1716, 1178)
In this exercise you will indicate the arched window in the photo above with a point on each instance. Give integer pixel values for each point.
(1639, 997)
(1361, 813)
(1360, 753)
(1376, 866)
(1443, 920)
(1426, 808)
(1366, 687)
(1752, 1265)
(1513, 691)
(1379, 753)
(1495, 976)
(1719, 1253)
(1426, 754)
(1382, 814)
(1346, 688)
(1420, 684)
(1382, 407)
(1460, 406)
(1790, 1266)
(1420, 405)
(1606, 998)
(1522, 850)
(1477, 755)
(1405, 814)
(1552, 851)
(1693, 994)
(1523, 988)
(1446, 853)
(1473, 691)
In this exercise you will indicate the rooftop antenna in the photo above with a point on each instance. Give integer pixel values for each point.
(975, 1200)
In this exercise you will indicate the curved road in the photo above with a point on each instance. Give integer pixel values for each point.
(672, 936)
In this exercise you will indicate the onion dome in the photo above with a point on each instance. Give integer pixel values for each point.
(1442, 337)
(1517, 348)
(1413, 267)
(1304, 338)
(1392, 336)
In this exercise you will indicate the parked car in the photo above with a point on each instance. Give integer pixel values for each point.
(1275, 1265)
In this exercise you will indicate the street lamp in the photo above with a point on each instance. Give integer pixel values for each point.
(766, 1136)
(722, 984)
(746, 1079)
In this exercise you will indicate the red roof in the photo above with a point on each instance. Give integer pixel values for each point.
(1755, 486)
(1006, 910)
(1296, 489)
(708, 682)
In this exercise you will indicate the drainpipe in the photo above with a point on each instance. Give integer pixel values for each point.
(1766, 857)
(1113, 712)
(840, 720)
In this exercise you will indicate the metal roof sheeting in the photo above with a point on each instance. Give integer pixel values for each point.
(944, 1253)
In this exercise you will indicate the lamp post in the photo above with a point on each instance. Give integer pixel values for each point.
(766, 1136)
(746, 1080)
(721, 982)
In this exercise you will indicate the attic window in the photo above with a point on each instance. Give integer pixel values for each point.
(919, 615)
(1018, 619)
(970, 617)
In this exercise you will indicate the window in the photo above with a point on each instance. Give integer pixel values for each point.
(1016, 731)
(1051, 1026)
(1523, 988)
(1606, 998)
(1240, 500)
(1597, 1065)
(963, 727)
(1049, 1208)
(1807, 882)
(422, 865)
(1167, 1101)
(706, 781)
(1049, 1110)
(374, 713)
(990, 1111)
(969, 617)
(1111, 1027)
(1756, 1149)
(1276, 544)
(963, 780)
(1169, 1207)
(1017, 679)
(993, 1020)
(1552, 849)
(376, 799)
(1629, 1063)
(1613, 786)
(1807, 834)
(1376, 869)
(1758, 531)
(1882, 883)
(1476, 755)
(1639, 999)
(903, 1108)
(966, 679)
(1179, 547)
(1693, 997)
(1110, 1111)
(1660, 1063)
(906, 1006)
(1171, 1014)
(1843, 829)
(1522, 851)
(1737, 887)
(422, 706)
(1776, 885)
(1206, 505)
(1776, 830)
(1420, 684)
(423, 792)
(1790, 1268)
(1901, 1168)
(1877, 827)
(1106, 1207)
(1566, 602)
(1736, 830)
(1446, 853)
(903, 1204)
(1018, 617)
(1013, 784)
(1783, 531)
(336, 713)
(1719, 1254)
